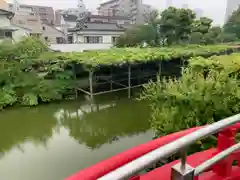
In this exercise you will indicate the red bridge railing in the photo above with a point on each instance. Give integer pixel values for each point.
(210, 164)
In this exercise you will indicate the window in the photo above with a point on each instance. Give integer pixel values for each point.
(93, 39)
(114, 39)
(46, 38)
(70, 39)
(59, 40)
(8, 34)
(43, 28)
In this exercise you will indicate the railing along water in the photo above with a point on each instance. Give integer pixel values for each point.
(182, 170)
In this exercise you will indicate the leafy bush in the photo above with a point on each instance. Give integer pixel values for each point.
(29, 99)
(28, 47)
(7, 97)
(201, 96)
(48, 91)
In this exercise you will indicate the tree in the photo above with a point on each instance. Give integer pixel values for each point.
(216, 30)
(227, 37)
(233, 23)
(209, 38)
(137, 35)
(176, 24)
(202, 25)
(152, 19)
(196, 38)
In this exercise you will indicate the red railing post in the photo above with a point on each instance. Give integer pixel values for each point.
(226, 139)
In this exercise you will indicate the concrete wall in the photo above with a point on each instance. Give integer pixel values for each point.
(79, 47)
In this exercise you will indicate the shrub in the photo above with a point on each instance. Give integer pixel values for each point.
(201, 96)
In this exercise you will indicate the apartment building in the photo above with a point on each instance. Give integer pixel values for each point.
(232, 5)
(131, 8)
(45, 13)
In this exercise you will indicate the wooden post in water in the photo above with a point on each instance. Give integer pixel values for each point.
(129, 81)
(75, 79)
(91, 83)
(111, 81)
(160, 68)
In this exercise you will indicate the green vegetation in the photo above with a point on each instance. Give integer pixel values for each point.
(180, 26)
(20, 80)
(120, 56)
(31, 74)
(233, 24)
(207, 91)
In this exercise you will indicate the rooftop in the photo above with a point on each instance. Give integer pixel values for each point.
(73, 18)
(98, 26)
(6, 12)
(108, 2)
(70, 18)
(110, 17)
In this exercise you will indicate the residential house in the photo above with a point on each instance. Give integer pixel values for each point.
(8, 30)
(53, 35)
(96, 33)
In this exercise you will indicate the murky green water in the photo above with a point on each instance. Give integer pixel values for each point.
(51, 142)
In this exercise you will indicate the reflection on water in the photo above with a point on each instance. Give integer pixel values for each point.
(34, 142)
(62, 114)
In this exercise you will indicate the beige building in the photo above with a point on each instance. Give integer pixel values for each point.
(52, 34)
(27, 20)
(134, 9)
(45, 13)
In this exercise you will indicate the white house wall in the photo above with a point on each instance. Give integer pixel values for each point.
(106, 36)
(4, 21)
(20, 33)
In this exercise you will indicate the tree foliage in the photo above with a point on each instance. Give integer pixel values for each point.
(137, 35)
(233, 23)
(180, 26)
(176, 24)
(20, 81)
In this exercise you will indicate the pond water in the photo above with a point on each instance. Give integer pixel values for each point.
(51, 142)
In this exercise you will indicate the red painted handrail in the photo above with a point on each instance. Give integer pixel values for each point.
(221, 171)
(106, 166)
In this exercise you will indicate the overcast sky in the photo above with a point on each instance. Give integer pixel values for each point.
(212, 8)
